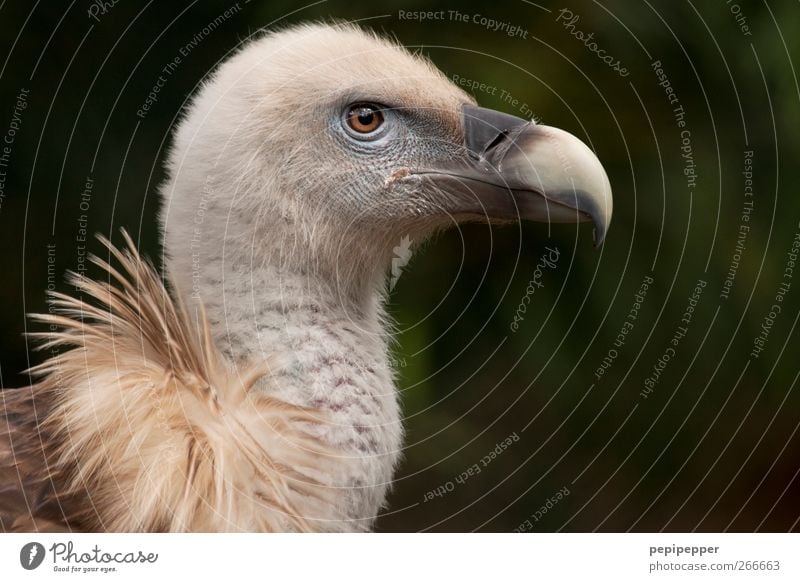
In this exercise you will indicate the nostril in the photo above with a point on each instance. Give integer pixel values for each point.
(485, 129)
(500, 137)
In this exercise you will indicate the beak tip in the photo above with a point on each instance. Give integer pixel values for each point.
(602, 211)
(601, 223)
(598, 238)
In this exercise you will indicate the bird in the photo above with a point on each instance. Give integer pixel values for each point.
(245, 384)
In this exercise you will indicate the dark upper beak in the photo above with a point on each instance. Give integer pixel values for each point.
(515, 169)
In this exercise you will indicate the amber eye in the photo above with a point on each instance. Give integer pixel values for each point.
(364, 118)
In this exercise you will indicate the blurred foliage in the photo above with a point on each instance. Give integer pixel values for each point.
(713, 447)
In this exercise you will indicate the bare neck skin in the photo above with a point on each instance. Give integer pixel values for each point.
(321, 322)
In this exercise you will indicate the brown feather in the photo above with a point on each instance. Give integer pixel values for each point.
(26, 482)
(141, 424)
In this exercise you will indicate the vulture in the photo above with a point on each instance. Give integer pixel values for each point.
(248, 386)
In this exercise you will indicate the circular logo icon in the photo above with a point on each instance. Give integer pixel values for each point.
(31, 555)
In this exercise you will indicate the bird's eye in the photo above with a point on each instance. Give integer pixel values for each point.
(364, 119)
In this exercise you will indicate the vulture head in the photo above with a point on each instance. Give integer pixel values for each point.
(298, 167)
(303, 161)
(317, 149)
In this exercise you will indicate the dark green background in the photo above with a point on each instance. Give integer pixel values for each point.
(714, 447)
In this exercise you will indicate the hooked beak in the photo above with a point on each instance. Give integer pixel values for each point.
(515, 169)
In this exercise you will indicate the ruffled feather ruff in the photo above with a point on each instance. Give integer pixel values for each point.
(150, 428)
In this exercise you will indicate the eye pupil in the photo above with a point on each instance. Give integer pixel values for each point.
(364, 119)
